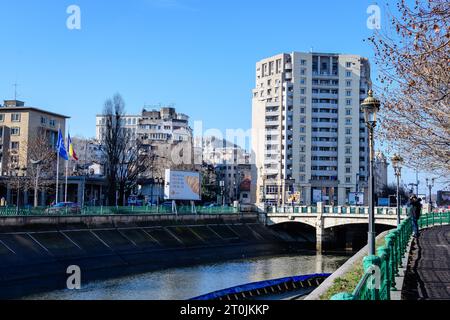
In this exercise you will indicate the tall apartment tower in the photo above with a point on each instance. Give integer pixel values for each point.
(308, 132)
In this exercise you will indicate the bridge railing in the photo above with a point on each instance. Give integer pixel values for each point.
(335, 210)
(113, 210)
(380, 270)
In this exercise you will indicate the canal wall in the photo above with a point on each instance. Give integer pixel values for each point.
(35, 252)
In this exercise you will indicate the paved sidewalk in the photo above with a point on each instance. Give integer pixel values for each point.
(428, 274)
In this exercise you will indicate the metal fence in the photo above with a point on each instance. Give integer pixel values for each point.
(104, 210)
(380, 271)
(336, 210)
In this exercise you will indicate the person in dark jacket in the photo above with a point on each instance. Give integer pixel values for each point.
(416, 210)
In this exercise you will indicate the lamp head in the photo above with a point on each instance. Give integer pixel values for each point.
(370, 107)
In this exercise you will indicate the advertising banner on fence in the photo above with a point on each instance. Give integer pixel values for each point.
(182, 185)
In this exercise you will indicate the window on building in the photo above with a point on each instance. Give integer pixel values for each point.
(2, 117)
(303, 62)
(348, 64)
(348, 150)
(14, 145)
(348, 140)
(348, 130)
(348, 102)
(15, 131)
(348, 121)
(52, 122)
(348, 160)
(348, 179)
(348, 74)
(15, 117)
(349, 93)
(43, 120)
(349, 83)
(302, 91)
(348, 112)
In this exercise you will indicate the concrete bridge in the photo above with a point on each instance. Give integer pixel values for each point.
(323, 218)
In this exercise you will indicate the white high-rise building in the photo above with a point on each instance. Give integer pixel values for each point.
(308, 132)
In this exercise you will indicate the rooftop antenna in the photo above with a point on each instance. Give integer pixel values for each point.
(15, 85)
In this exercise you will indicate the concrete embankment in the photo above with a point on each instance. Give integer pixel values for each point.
(36, 252)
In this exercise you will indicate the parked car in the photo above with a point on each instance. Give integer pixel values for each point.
(135, 201)
(64, 207)
(167, 204)
(210, 205)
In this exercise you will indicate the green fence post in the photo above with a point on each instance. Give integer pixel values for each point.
(390, 245)
(385, 289)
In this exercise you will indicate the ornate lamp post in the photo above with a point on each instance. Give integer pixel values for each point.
(397, 163)
(430, 185)
(370, 107)
(36, 163)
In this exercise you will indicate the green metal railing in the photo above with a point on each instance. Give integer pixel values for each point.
(380, 270)
(105, 210)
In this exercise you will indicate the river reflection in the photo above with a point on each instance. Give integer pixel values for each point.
(188, 282)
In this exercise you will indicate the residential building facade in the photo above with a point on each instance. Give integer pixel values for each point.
(308, 132)
(380, 172)
(19, 124)
(166, 137)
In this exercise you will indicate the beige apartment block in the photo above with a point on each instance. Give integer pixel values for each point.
(308, 132)
(18, 124)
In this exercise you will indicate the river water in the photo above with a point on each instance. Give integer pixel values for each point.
(188, 282)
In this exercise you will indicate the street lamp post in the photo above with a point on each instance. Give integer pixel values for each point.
(17, 171)
(37, 163)
(370, 107)
(430, 185)
(397, 162)
(86, 169)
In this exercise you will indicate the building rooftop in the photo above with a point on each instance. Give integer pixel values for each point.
(16, 105)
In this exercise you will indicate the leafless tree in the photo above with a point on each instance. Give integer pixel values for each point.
(413, 56)
(39, 173)
(113, 142)
(125, 158)
(133, 162)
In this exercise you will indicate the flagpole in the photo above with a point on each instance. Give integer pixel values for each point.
(57, 169)
(67, 169)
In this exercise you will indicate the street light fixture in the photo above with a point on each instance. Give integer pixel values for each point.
(397, 163)
(370, 107)
(36, 163)
(430, 185)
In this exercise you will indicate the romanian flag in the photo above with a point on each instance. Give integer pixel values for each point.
(72, 153)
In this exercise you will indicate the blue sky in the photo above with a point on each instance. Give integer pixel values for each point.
(198, 54)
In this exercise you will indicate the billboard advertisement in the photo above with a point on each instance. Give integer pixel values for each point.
(182, 185)
(443, 198)
(356, 198)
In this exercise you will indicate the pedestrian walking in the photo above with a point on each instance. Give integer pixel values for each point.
(416, 210)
